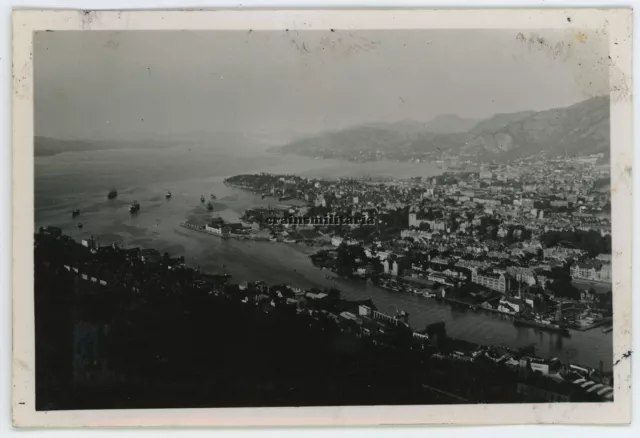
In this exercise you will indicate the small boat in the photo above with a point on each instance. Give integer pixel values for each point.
(135, 207)
(213, 196)
(80, 225)
(75, 213)
(429, 295)
(168, 195)
(607, 329)
(209, 206)
(202, 198)
(263, 196)
(113, 194)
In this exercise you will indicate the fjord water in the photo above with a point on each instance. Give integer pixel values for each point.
(82, 179)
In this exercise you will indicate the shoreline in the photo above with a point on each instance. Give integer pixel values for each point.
(158, 227)
(417, 334)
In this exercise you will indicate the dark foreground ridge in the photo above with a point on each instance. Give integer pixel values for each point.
(129, 328)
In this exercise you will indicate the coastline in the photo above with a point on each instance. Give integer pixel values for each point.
(157, 226)
(90, 277)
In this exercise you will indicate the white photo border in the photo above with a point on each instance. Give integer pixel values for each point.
(614, 22)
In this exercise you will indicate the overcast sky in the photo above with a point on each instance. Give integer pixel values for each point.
(142, 83)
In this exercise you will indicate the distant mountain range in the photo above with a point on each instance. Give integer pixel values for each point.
(580, 129)
(44, 146)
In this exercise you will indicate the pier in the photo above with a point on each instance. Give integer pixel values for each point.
(201, 229)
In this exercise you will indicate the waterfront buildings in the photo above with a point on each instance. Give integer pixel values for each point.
(493, 281)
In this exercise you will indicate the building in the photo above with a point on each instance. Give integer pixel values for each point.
(415, 234)
(486, 175)
(511, 305)
(591, 271)
(487, 201)
(428, 193)
(436, 225)
(414, 221)
(559, 250)
(497, 282)
(524, 275)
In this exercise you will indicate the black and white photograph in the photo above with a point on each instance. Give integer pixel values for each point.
(322, 217)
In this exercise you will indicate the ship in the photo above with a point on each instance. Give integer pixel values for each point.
(389, 287)
(75, 213)
(135, 207)
(168, 195)
(541, 324)
(209, 206)
(202, 198)
(113, 194)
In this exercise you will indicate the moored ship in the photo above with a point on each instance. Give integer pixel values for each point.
(390, 287)
(541, 324)
(113, 194)
(135, 207)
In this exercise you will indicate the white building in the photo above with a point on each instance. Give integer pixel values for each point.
(394, 268)
(496, 282)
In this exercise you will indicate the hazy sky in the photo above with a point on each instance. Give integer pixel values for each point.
(142, 83)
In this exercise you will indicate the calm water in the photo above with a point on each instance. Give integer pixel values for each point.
(82, 180)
